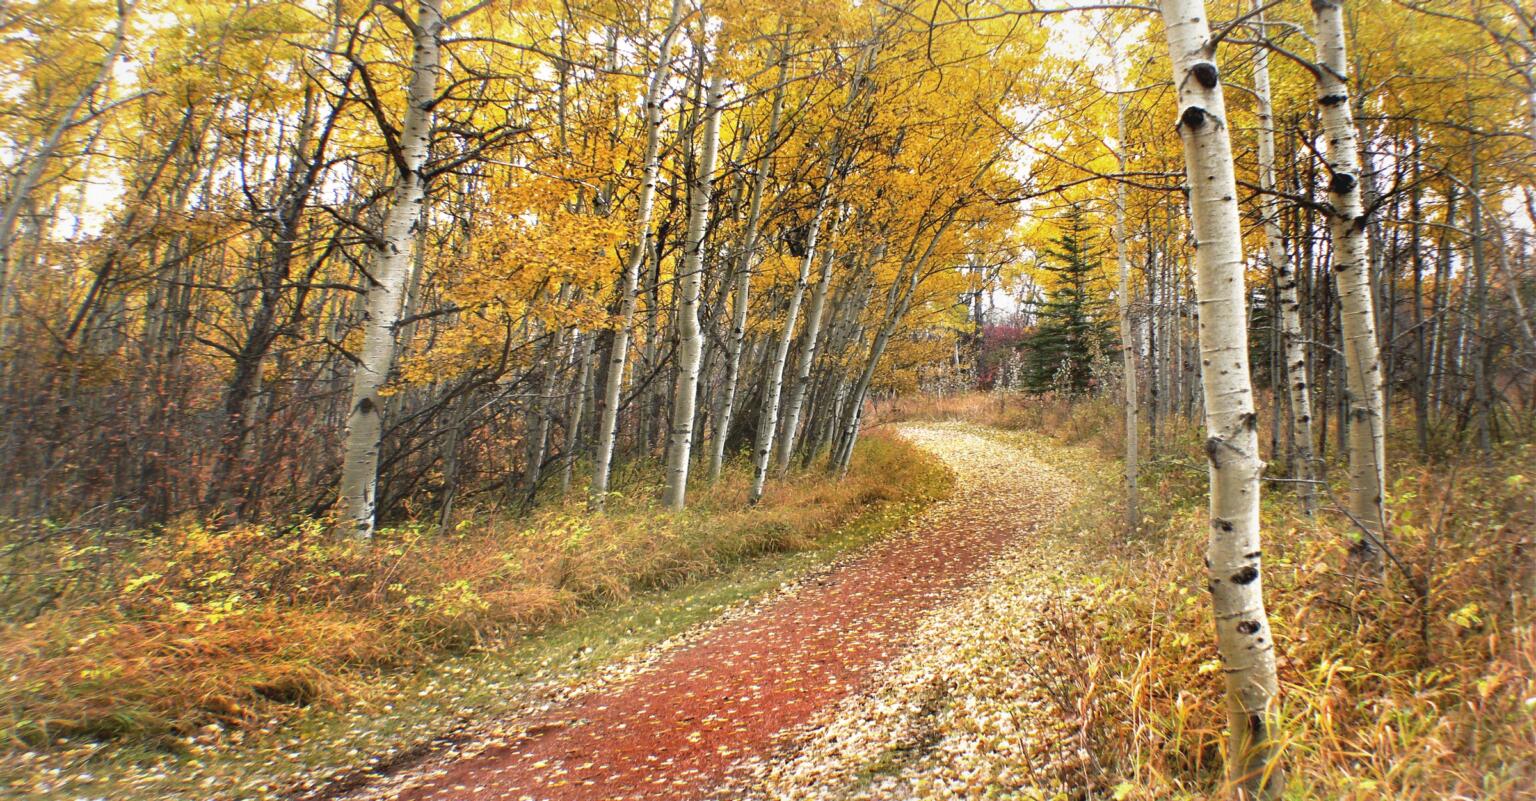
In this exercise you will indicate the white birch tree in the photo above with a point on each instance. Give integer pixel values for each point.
(629, 288)
(742, 290)
(1293, 343)
(768, 421)
(1243, 636)
(690, 335)
(1127, 332)
(1351, 270)
(389, 275)
(808, 349)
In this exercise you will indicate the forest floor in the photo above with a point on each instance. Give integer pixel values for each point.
(1001, 637)
(831, 688)
(644, 582)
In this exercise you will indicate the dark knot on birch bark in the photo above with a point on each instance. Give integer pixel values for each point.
(1212, 451)
(797, 240)
(1341, 183)
(1194, 117)
(1206, 73)
(1332, 100)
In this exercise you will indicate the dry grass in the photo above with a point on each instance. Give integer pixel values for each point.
(1069, 422)
(1389, 692)
(144, 635)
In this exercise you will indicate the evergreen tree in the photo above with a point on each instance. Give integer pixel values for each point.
(1073, 327)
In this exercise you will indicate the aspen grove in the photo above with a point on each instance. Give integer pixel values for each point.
(450, 321)
(432, 228)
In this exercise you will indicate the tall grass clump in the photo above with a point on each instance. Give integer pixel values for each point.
(153, 635)
(1420, 686)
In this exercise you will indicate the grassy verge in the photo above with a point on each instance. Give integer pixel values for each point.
(402, 644)
(1424, 688)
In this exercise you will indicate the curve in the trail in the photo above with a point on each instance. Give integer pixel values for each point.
(675, 731)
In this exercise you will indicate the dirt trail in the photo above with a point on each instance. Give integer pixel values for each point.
(677, 730)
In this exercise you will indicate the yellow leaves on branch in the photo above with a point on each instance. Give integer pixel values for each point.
(540, 266)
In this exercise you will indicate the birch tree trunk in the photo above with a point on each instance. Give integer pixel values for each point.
(1420, 340)
(897, 299)
(1357, 314)
(38, 160)
(690, 334)
(1293, 343)
(743, 277)
(1482, 393)
(808, 343)
(391, 267)
(769, 420)
(630, 286)
(1127, 333)
(540, 416)
(1233, 553)
(578, 408)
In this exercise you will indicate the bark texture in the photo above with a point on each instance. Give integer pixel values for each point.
(629, 289)
(1243, 635)
(1294, 347)
(390, 273)
(689, 334)
(1127, 331)
(1352, 277)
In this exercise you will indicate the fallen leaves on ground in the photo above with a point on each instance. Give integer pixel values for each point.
(705, 715)
(959, 714)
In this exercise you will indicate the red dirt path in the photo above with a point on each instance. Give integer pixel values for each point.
(674, 731)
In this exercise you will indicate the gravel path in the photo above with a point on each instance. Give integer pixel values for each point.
(712, 713)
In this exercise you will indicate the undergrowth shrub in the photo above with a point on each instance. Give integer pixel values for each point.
(1072, 420)
(1423, 687)
(156, 634)
(1387, 692)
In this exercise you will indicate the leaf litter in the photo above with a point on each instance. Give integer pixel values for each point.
(959, 714)
(889, 674)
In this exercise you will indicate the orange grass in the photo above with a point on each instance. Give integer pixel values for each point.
(170, 631)
(1389, 692)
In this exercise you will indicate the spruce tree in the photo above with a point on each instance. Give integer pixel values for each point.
(1073, 326)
